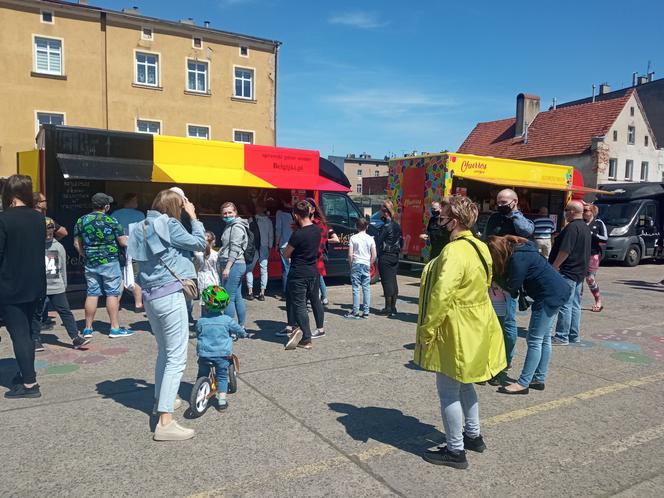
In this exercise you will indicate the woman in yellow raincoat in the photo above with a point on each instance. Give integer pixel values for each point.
(458, 334)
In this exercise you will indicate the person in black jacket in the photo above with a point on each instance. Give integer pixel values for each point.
(437, 235)
(22, 277)
(518, 264)
(388, 246)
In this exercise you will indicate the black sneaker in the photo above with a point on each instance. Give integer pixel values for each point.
(474, 443)
(48, 325)
(20, 391)
(317, 334)
(250, 297)
(38, 345)
(261, 297)
(18, 379)
(79, 342)
(447, 458)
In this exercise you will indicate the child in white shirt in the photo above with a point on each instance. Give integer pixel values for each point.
(207, 264)
(361, 255)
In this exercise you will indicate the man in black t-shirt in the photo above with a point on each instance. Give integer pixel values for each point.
(303, 276)
(570, 256)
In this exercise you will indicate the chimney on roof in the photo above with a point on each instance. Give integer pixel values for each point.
(634, 75)
(527, 107)
(206, 24)
(82, 2)
(604, 88)
(132, 10)
(651, 75)
(641, 80)
(188, 20)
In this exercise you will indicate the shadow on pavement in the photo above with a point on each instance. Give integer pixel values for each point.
(266, 331)
(409, 346)
(411, 365)
(386, 425)
(54, 340)
(8, 369)
(643, 285)
(136, 394)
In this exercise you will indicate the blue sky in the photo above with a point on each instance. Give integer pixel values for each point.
(395, 76)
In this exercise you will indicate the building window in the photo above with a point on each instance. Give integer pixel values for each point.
(47, 17)
(147, 69)
(147, 34)
(358, 188)
(644, 171)
(243, 137)
(196, 131)
(197, 42)
(631, 111)
(376, 173)
(244, 51)
(48, 55)
(631, 135)
(629, 168)
(613, 169)
(359, 172)
(244, 83)
(197, 76)
(46, 118)
(146, 126)
(615, 135)
(645, 140)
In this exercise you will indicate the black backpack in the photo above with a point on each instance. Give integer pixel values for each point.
(253, 242)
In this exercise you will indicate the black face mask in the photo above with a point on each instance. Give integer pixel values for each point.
(504, 209)
(435, 213)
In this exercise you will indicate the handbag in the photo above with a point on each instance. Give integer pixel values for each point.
(189, 286)
(524, 304)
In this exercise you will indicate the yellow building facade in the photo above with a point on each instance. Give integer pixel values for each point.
(73, 64)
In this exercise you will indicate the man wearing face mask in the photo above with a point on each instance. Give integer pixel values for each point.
(437, 236)
(508, 220)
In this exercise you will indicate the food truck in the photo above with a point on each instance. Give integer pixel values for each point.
(414, 182)
(70, 164)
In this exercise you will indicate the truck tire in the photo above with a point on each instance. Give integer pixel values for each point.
(633, 256)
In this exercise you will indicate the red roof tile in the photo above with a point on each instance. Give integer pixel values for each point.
(564, 131)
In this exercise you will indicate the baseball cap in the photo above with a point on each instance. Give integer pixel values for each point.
(180, 192)
(100, 200)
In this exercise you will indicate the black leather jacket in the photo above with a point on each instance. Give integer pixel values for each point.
(389, 238)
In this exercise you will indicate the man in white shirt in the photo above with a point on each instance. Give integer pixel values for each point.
(361, 255)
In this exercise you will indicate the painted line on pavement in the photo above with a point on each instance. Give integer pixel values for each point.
(382, 450)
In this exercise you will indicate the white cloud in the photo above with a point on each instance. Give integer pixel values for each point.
(232, 3)
(358, 19)
(391, 101)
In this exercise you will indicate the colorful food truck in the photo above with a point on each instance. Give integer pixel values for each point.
(414, 182)
(70, 164)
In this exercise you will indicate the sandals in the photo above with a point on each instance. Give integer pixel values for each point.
(597, 309)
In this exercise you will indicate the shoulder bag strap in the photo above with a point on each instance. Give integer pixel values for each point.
(161, 259)
(477, 250)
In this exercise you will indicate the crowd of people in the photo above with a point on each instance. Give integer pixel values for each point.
(469, 294)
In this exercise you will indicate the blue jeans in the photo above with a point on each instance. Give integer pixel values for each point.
(285, 266)
(250, 275)
(509, 327)
(263, 257)
(168, 320)
(221, 365)
(104, 280)
(568, 327)
(539, 344)
(323, 288)
(233, 285)
(458, 402)
(360, 277)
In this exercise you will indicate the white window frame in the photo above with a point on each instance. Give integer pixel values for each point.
(186, 75)
(358, 188)
(647, 165)
(646, 140)
(253, 82)
(246, 56)
(46, 11)
(208, 127)
(62, 54)
(359, 172)
(615, 171)
(631, 170)
(144, 36)
(631, 131)
(376, 174)
(158, 72)
(42, 111)
(148, 120)
(238, 130)
(193, 42)
(615, 135)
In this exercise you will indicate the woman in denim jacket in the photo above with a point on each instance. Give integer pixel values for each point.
(161, 245)
(517, 264)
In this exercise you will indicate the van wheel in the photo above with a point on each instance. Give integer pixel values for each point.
(633, 256)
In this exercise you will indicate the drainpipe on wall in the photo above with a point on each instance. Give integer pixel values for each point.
(105, 68)
(276, 72)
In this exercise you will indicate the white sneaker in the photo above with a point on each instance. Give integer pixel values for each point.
(172, 432)
(176, 405)
(294, 339)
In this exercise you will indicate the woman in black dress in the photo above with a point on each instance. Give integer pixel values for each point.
(22, 277)
(388, 245)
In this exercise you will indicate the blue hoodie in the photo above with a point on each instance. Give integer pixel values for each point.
(528, 269)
